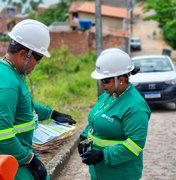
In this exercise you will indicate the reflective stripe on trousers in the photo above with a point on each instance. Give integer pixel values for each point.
(128, 143)
(17, 129)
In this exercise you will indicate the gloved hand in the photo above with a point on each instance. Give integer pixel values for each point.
(81, 146)
(62, 118)
(92, 157)
(37, 169)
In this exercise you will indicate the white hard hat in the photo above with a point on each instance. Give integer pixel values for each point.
(112, 62)
(33, 35)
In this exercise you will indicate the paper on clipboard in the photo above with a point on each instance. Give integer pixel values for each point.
(47, 132)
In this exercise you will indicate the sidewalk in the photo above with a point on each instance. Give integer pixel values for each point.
(60, 160)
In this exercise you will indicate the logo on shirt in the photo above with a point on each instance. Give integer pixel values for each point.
(108, 118)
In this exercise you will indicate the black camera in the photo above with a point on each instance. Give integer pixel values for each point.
(87, 145)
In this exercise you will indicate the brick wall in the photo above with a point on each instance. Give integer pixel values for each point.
(3, 48)
(77, 42)
(113, 41)
(82, 42)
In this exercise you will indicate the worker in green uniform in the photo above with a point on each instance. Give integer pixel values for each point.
(28, 44)
(112, 143)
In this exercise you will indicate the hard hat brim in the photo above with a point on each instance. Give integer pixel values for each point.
(47, 54)
(98, 76)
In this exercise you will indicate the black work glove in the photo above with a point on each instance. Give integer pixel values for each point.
(37, 169)
(92, 157)
(62, 118)
(81, 146)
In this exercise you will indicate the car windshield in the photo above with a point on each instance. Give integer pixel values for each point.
(135, 40)
(153, 64)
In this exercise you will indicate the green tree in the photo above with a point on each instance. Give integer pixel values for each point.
(34, 4)
(169, 33)
(164, 11)
(54, 14)
(165, 15)
(18, 4)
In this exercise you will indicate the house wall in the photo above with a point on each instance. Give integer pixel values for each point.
(107, 22)
(3, 23)
(111, 23)
(87, 16)
(4, 20)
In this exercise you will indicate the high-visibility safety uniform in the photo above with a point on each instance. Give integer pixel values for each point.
(119, 128)
(16, 118)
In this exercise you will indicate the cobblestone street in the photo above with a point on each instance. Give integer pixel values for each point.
(159, 152)
(160, 149)
(75, 169)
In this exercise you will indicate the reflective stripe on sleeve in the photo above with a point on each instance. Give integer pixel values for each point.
(128, 143)
(103, 142)
(24, 127)
(10, 132)
(132, 146)
(6, 134)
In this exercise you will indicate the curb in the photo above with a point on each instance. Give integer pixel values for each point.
(60, 160)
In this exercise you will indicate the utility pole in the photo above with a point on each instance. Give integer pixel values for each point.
(98, 26)
(129, 6)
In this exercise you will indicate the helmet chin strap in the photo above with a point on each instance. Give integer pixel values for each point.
(116, 86)
(26, 61)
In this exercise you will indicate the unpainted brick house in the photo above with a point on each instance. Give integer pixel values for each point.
(114, 28)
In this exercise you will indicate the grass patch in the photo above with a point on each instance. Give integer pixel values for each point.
(64, 83)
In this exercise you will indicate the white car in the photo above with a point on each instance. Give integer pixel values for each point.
(135, 43)
(156, 80)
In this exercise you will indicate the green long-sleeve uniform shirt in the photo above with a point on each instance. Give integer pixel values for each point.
(16, 108)
(125, 117)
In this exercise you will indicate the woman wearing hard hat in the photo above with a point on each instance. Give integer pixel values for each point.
(113, 142)
(29, 42)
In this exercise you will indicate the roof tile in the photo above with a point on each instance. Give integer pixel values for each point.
(89, 7)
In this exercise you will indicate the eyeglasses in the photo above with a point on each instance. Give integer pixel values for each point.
(106, 80)
(37, 57)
